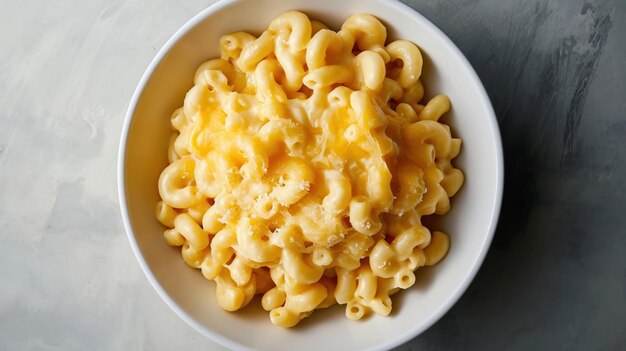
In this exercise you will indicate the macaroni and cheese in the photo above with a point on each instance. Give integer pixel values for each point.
(301, 165)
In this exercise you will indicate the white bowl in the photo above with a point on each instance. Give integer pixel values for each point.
(471, 223)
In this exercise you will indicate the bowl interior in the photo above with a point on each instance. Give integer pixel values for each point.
(470, 223)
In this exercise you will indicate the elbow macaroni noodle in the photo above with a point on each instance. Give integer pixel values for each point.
(302, 163)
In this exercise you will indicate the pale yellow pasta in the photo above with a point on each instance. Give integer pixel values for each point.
(391, 90)
(171, 151)
(324, 47)
(339, 191)
(192, 256)
(361, 216)
(370, 69)
(165, 214)
(254, 52)
(436, 107)
(411, 58)
(173, 237)
(326, 76)
(232, 44)
(191, 231)
(198, 210)
(298, 27)
(437, 249)
(301, 165)
(366, 32)
(176, 184)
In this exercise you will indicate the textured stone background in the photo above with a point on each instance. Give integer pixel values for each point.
(555, 277)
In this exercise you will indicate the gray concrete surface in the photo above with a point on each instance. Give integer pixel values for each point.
(555, 278)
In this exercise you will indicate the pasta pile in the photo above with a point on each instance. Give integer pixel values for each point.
(301, 165)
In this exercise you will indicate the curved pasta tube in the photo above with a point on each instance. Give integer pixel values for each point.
(197, 211)
(190, 229)
(247, 148)
(339, 191)
(221, 252)
(171, 149)
(165, 214)
(379, 187)
(355, 310)
(429, 132)
(317, 26)
(366, 32)
(455, 147)
(365, 110)
(173, 238)
(417, 258)
(231, 297)
(274, 298)
(357, 246)
(298, 27)
(370, 69)
(266, 207)
(256, 51)
(232, 44)
(323, 47)
(181, 144)
(330, 300)
(196, 102)
(435, 108)
(346, 261)
(424, 155)
(288, 237)
(411, 188)
(327, 76)
(253, 241)
(452, 181)
(410, 238)
(437, 249)
(407, 112)
(192, 256)
(435, 200)
(299, 305)
(367, 284)
(294, 177)
(390, 90)
(361, 217)
(179, 121)
(340, 96)
(381, 304)
(238, 105)
(300, 268)
(283, 317)
(240, 270)
(404, 279)
(413, 94)
(219, 65)
(308, 298)
(411, 58)
(267, 87)
(280, 131)
(213, 173)
(175, 184)
(322, 256)
(211, 220)
(389, 260)
(292, 64)
(346, 285)
(383, 260)
(398, 224)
